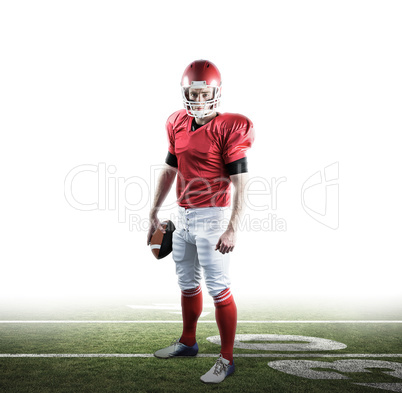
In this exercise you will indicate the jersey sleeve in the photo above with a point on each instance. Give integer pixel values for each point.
(238, 141)
(170, 137)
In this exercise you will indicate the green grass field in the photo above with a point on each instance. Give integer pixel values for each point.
(373, 352)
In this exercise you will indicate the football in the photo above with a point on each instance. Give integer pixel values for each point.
(161, 243)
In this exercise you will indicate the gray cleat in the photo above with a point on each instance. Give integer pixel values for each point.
(176, 349)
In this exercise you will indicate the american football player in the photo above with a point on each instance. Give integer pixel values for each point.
(206, 154)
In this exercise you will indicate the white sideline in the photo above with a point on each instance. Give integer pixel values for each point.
(203, 355)
(98, 321)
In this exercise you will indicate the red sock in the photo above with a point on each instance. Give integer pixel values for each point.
(191, 308)
(226, 318)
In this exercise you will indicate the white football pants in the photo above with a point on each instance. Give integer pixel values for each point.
(194, 241)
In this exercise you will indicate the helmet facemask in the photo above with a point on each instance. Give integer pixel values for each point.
(201, 109)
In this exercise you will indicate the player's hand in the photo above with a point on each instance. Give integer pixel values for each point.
(226, 242)
(154, 224)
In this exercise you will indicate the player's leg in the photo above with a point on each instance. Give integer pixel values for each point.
(188, 272)
(216, 272)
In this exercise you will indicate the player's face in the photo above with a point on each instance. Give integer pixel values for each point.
(200, 95)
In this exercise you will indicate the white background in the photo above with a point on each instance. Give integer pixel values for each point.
(85, 82)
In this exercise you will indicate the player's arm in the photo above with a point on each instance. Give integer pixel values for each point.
(227, 241)
(164, 184)
(239, 182)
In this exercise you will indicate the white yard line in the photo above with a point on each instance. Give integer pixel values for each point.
(203, 355)
(97, 321)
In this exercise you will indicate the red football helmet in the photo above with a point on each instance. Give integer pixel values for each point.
(201, 74)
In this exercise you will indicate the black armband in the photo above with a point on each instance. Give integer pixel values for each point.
(171, 159)
(238, 166)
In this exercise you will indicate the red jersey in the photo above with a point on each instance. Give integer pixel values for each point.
(202, 178)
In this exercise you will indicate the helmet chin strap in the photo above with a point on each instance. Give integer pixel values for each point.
(200, 114)
(205, 112)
